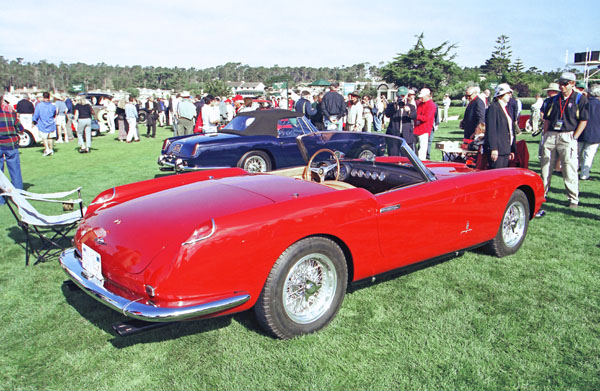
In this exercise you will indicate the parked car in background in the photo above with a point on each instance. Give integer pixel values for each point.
(257, 141)
(288, 243)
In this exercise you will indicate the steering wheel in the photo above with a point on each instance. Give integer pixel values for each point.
(323, 170)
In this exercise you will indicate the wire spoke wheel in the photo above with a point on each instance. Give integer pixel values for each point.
(513, 225)
(309, 288)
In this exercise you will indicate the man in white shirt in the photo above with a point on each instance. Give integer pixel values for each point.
(354, 123)
(210, 115)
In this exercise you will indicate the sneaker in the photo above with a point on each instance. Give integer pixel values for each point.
(46, 153)
(585, 177)
(59, 141)
(541, 213)
(572, 206)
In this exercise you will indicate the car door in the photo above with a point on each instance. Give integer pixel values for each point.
(418, 222)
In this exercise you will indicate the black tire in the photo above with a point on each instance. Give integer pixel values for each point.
(513, 227)
(142, 116)
(255, 161)
(26, 139)
(291, 304)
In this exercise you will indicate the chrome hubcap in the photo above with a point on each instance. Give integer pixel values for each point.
(513, 225)
(255, 164)
(309, 288)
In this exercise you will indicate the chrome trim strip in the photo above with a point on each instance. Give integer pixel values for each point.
(389, 208)
(187, 168)
(134, 309)
(212, 232)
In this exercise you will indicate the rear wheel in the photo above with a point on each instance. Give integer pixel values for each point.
(513, 227)
(26, 139)
(304, 290)
(255, 161)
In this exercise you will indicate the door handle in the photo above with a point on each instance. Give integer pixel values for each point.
(389, 208)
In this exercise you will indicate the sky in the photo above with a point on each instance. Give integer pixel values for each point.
(203, 34)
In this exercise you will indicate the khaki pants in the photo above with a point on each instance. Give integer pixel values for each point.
(561, 145)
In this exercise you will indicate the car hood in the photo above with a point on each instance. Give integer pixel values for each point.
(129, 235)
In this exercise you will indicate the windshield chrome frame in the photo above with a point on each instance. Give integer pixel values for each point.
(410, 154)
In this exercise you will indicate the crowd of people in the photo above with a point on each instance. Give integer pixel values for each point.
(570, 127)
(569, 118)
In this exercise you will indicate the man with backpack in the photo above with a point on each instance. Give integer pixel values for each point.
(565, 119)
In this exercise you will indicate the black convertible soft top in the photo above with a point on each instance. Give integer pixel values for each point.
(265, 123)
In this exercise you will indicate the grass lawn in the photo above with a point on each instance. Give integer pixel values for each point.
(530, 321)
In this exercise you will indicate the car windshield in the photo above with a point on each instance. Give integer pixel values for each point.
(294, 127)
(367, 147)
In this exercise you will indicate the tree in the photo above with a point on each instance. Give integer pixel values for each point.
(499, 63)
(217, 88)
(422, 67)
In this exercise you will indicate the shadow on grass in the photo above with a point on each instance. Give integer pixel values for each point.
(104, 318)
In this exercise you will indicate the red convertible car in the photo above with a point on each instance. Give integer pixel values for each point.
(288, 243)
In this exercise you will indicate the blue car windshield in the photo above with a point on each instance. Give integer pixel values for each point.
(239, 123)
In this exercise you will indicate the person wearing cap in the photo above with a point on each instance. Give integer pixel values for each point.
(589, 140)
(474, 113)
(499, 142)
(334, 108)
(61, 119)
(44, 115)
(536, 108)
(354, 122)
(426, 112)
(186, 115)
(566, 118)
(401, 113)
(580, 86)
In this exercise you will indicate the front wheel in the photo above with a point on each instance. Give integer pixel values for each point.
(304, 290)
(513, 227)
(255, 161)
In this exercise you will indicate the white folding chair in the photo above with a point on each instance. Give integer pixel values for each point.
(50, 230)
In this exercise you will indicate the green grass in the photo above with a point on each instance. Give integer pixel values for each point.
(529, 321)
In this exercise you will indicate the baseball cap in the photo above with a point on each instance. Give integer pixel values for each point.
(567, 76)
(424, 92)
(402, 91)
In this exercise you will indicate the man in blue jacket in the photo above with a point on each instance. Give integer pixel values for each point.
(589, 140)
(304, 105)
(334, 108)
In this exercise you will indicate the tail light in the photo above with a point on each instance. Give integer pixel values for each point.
(166, 144)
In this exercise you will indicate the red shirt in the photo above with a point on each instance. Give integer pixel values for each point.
(425, 118)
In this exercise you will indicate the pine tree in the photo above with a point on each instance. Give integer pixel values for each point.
(422, 67)
(500, 61)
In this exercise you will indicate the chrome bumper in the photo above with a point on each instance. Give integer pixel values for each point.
(166, 164)
(71, 265)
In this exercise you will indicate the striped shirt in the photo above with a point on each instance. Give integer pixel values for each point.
(9, 126)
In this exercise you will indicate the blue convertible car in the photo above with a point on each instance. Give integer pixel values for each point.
(260, 141)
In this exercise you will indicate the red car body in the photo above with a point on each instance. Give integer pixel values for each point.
(182, 244)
